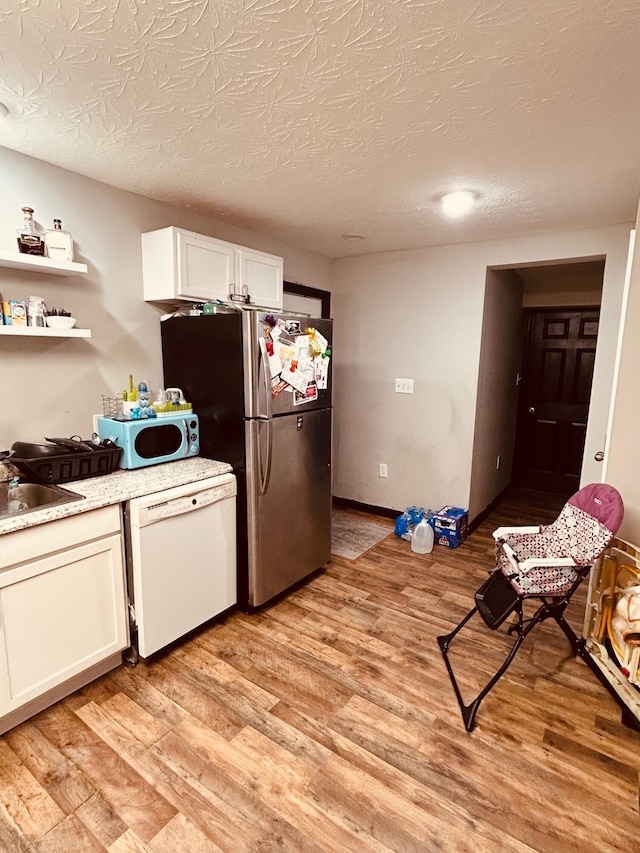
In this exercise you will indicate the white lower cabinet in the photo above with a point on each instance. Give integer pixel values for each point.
(63, 610)
(182, 265)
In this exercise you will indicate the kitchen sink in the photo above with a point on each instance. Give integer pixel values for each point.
(27, 497)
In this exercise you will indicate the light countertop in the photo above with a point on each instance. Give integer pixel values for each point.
(120, 486)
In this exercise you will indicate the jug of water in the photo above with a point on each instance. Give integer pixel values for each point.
(422, 539)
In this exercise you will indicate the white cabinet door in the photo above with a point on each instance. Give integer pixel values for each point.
(61, 615)
(182, 265)
(206, 267)
(260, 277)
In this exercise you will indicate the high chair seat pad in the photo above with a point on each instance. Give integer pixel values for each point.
(581, 532)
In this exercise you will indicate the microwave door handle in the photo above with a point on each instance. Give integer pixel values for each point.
(265, 470)
(266, 376)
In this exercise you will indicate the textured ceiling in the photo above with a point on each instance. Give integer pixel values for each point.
(308, 119)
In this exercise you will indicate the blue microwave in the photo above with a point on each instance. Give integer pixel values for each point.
(150, 441)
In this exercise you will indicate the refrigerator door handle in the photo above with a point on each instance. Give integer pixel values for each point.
(265, 469)
(266, 373)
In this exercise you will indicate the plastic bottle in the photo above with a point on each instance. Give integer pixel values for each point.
(422, 539)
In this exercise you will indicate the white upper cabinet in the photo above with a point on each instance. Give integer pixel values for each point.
(183, 265)
(260, 276)
(205, 267)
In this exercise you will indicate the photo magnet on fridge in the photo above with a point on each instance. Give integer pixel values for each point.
(308, 396)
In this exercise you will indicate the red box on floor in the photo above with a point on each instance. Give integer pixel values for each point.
(450, 526)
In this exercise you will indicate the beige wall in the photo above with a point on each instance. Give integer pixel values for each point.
(496, 410)
(418, 314)
(560, 285)
(414, 314)
(53, 386)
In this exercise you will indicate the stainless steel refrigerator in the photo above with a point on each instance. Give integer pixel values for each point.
(261, 386)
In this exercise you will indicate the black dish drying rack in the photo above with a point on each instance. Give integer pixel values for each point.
(64, 459)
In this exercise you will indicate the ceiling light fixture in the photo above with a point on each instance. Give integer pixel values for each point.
(354, 237)
(458, 203)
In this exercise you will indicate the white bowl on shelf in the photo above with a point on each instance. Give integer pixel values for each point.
(61, 322)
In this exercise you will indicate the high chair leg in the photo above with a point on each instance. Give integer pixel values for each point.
(469, 711)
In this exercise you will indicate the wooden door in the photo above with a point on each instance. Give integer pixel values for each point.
(554, 398)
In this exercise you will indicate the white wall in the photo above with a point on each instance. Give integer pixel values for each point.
(621, 459)
(418, 314)
(52, 387)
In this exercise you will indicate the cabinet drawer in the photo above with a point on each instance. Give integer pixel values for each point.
(32, 542)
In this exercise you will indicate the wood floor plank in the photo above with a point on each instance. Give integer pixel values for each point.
(196, 657)
(101, 820)
(246, 767)
(28, 804)
(326, 722)
(180, 688)
(127, 680)
(135, 719)
(180, 834)
(60, 777)
(138, 804)
(388, 817)
(11, 838)
(129, 842)
(70, 836)
(262, 825)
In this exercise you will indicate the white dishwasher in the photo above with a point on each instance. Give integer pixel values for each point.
(181, 560)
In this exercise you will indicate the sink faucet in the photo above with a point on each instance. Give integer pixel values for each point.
(14, 504)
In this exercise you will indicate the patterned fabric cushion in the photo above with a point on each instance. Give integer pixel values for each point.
(574, 534)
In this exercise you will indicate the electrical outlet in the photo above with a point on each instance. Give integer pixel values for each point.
(498, 461)
(382, 470)
(404, 386)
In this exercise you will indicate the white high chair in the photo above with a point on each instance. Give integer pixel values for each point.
(546, 563)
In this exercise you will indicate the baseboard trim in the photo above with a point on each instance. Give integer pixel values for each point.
(347, 503)
(488, 509)
(385, 512)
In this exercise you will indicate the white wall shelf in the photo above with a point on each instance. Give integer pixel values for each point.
(38, 332)
(34, 263)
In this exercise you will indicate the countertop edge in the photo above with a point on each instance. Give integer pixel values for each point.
(122, 485)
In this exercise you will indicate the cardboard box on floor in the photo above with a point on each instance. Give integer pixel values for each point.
(450, 526)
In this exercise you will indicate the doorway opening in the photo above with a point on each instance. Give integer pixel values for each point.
(307, 300)
(505, 445)
(553, 405)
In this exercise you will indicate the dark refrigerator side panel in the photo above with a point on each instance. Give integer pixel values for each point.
(203, 356)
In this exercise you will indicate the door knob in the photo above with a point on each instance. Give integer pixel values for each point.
(599, 456)
(532, 410)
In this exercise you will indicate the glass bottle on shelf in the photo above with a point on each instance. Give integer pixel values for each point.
(36, 311)
(58, 243)
(30, 240)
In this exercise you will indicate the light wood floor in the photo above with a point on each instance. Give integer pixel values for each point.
(327, 722)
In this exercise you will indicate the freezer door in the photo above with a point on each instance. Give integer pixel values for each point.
(260, 374)
(288, 500)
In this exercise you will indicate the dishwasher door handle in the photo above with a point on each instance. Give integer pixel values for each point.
(152, 513)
